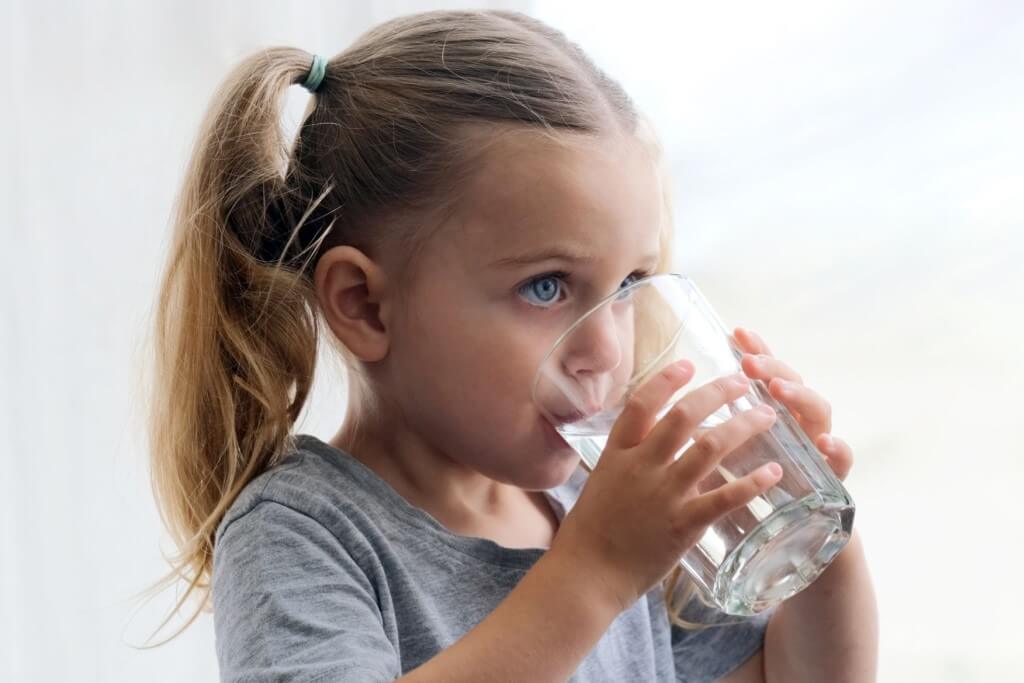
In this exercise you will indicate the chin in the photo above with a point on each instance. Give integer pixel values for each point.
(543, 479)
(553, 464)
(550, 462)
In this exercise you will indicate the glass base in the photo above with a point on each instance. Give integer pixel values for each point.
(783, 555)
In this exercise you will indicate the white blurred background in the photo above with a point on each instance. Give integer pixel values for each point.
(848, 181)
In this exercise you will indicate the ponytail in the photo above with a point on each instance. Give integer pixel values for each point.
(235, 333)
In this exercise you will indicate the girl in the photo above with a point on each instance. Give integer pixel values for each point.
(463, 185)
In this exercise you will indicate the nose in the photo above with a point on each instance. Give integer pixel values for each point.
(595, 346)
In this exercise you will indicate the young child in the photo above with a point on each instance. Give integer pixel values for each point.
(463, 186)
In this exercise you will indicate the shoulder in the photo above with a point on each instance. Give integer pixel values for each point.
(311, 480)
(293, 577)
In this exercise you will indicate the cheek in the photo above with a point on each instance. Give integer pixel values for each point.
(495, 347)
(497, 372)
(474, 367)
(469, 395)
(624, 371)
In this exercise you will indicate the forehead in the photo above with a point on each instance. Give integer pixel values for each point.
(597, 196)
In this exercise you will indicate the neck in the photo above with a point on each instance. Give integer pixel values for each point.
(452, 492)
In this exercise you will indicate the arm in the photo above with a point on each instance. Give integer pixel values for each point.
(829, 631)
(540, 632)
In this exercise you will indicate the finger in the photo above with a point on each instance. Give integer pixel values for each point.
(764, 367)
(751, 341)
(682, 419)
(745, 342)
(815, 412)
(702, 511)
(837, 453)
(640, 413)
(700, 459)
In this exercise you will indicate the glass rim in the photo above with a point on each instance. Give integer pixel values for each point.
(579, 321)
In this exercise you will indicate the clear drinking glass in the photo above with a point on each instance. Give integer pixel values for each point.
(758, 555)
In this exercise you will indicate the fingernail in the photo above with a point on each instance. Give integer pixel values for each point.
(785, 387)
(766, 409)
(827, 442)
(677, 371)
(769, 473)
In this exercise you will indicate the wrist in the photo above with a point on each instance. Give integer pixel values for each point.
(593, 583)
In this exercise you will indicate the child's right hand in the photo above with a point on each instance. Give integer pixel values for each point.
(640, 510)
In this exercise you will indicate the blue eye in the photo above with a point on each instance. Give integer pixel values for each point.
(548, 286)
(547, 291)
(637, 276)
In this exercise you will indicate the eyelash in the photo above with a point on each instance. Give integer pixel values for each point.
(566, 278)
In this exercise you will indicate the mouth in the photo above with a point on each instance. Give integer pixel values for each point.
(569, 418)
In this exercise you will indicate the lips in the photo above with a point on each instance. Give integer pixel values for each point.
(568, 418)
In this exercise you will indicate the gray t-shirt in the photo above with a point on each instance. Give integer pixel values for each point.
(323, 572)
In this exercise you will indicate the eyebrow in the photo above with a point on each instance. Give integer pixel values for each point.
(552, 253)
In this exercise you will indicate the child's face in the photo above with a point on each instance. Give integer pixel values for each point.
(477, 329)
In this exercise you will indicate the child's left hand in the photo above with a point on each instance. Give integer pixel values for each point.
(811, 410)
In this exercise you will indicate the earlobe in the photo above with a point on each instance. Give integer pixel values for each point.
(352, 289)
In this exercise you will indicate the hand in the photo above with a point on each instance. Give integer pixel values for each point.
(640, 509)
(811, 410)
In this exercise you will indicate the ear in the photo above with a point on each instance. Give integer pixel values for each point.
(353, 290)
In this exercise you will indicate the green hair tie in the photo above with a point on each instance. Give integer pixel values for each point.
(316, 73)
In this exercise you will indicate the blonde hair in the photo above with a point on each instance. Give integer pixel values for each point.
(237, 325)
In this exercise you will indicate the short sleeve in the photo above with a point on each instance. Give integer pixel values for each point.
(708, 654)
(290, 604)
